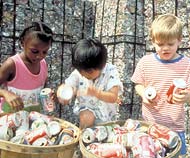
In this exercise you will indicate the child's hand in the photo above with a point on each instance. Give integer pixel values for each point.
(13, 100)
(90, 91)
(181, 97)
(148, 101)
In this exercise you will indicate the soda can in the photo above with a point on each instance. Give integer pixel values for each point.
(40, 142)
(65, 138)
(125, 139)
(11, 120)
(167, 137)
(108, 150)
(143, 146)
(37, 133)
(54, 128)
(97, 133)
(66, 92)
(150, 93)
(48, 104)
(131, 125)
(6, 132)
(37, 123)
(34, 115)
(175, 87)
(88, 136)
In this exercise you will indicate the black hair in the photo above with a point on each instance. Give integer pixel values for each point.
(89, 54)
(43, 32)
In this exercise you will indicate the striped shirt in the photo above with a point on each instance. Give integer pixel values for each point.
(153, 71)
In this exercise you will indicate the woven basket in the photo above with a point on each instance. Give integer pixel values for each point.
(12, 150)
(174, 154)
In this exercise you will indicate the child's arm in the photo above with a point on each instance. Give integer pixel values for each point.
(110, 96)
(7, 72)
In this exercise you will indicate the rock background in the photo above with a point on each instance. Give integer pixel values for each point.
(122, 25)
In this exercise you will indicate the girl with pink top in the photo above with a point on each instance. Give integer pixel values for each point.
(24, 75)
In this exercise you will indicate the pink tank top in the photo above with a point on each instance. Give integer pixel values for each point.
(28, 85)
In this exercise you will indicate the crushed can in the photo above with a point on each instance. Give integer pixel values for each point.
(48, 104)
(175, 87)
(108, 150)
(43, 141)
(37, 133)
(6, 132)
(98, 133)
(143, 146)
(167, 137)
(34, 115)
(12, 120)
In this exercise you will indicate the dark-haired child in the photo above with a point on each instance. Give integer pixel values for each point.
(24, 74)
(94, 82)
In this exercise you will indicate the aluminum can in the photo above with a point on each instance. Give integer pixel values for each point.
(48, 104)
(33, 115)
(175, 87)
(54, 128)
(108, 150)
(131, 125)
(40, 142)
(125, 139)
(65, 138)
(98, 133)
(167, 137)
(11, 120)
(150, 93)
(37, 133)
(66, 92)
(143, 146)
(6, 132)
(37, 123)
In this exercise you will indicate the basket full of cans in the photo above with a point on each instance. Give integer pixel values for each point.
(24, 134)
(129, 139)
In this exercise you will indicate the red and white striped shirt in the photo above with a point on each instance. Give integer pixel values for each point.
(153, 71)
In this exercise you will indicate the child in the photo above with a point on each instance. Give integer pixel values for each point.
(159, 70)
(25, 74)
(95, 84)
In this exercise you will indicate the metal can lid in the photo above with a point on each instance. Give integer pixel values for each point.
(45, 91)
(66, 92)
(54, 128)
(150, 92)
(179, 83)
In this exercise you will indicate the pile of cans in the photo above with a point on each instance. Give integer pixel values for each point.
(132, 139)
(34, 129)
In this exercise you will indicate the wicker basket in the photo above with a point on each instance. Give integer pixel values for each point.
(174, 154)
(12, 150)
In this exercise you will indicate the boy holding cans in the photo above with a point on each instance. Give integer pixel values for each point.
(159, 70)
(94, 82)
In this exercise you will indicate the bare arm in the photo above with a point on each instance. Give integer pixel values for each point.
(110, 96)
(7, 73)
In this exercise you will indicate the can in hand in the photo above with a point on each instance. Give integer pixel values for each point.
(48, 104)
(175, 87)
(150, 93)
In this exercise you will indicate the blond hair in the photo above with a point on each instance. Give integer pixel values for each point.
(165, 28)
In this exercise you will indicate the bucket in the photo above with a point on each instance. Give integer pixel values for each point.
(174, 154)
(13, 150)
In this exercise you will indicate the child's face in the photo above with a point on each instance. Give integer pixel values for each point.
(35, 49)
(167, 50)
(91, 74)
